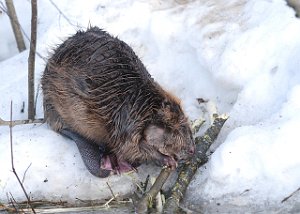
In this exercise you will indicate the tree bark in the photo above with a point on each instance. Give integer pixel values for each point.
(31, 60)
(15, 25)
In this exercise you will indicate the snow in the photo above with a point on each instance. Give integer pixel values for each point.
(240, 55)
(55, 170)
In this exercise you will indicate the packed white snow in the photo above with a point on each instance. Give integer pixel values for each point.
(243, 56)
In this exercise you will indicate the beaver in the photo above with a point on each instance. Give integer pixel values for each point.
(97, 92)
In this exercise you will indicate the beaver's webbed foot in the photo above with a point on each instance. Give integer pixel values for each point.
(98, 161)
(91, 153)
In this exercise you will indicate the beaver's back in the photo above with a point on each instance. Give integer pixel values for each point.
(97, 84)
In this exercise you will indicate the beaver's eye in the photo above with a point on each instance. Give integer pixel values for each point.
(166, 104)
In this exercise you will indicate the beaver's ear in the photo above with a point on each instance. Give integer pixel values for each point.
(154, 135)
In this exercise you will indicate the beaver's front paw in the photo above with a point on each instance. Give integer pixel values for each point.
(170, 162)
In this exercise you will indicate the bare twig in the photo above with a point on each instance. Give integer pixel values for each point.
(15, 25)
(112, 193)
(106, 204)
(82, 209)
(19, 122)
(24, 175)
(61, 13)
(110, 200)
(31, 60)
(13, 202)
(40, 203)
(291, 195)
(12, 161)
(83, 201)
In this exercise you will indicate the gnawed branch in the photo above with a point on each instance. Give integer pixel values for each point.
(142, 205)
(189, 168)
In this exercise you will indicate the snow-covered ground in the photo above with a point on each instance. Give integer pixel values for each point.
(241, 55)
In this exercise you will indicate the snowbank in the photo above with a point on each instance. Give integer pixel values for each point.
(241, 55)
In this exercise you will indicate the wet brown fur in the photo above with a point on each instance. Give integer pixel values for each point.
(95, 85)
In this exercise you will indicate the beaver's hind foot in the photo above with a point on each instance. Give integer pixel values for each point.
(91, 153)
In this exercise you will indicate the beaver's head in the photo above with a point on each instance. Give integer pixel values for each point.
(169, 137)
